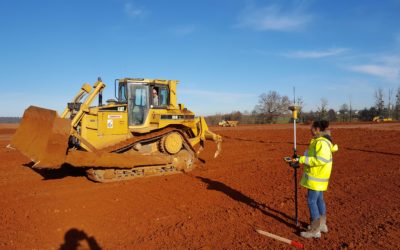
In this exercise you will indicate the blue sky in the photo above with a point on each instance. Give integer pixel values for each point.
(225, 52)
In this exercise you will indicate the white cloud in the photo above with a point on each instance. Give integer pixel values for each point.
(273, 18)
(388, 72)
(390, 60)
(382, 65)
(316, 53)
(132, 11)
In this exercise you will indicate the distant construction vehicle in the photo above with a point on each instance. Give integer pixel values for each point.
(143, 132)
(225, 123)
(381, 119)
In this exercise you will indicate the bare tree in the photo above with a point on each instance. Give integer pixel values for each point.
(271, 105)
(397, 107)
(350, 111)
(322, 109)
(344, 110)
(300, 102)
(284, 104)
(379, 103)
(390, 106)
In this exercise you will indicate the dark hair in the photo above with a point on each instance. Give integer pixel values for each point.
(321, 124)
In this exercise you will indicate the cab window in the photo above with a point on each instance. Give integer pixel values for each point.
(138, 103)
(163, 96)
(160, 96)
(122, 96)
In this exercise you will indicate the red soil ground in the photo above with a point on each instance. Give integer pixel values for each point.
(217, 205)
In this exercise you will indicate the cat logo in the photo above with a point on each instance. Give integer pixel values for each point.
(110, 123)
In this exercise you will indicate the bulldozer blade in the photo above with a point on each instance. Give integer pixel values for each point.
(43, 137)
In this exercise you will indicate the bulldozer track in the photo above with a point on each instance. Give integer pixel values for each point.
(98, 175)
(129, 143)
(118, 174)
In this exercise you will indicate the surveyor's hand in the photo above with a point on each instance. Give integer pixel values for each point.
(295, 162)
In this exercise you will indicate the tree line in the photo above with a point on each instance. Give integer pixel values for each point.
(10, 119)
(274, 108)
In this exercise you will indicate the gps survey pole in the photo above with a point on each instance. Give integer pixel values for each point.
(295, 165)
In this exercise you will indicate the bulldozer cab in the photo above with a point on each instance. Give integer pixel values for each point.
(140, 97)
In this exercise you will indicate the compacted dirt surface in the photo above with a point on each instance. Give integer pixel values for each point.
(216, 206)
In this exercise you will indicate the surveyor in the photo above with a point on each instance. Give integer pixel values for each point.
(317, 162)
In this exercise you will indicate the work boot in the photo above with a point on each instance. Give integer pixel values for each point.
(322, 227)
(313, 231)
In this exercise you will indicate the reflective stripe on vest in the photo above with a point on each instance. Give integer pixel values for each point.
(307, 160)
(307, 177)
(323, 159)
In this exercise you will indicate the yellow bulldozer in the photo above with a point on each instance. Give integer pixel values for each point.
(143, 132)
(381, 119)
(225, 123)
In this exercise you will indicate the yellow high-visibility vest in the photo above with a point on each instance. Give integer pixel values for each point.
(317, 164)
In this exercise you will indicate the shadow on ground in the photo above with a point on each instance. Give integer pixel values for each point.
(372, 151)
(240, 197)
(76, 239)
(64, 171)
